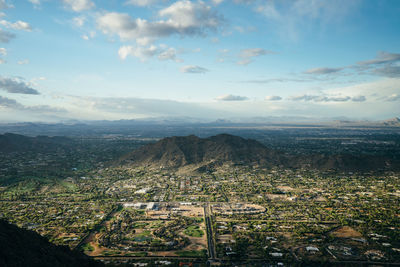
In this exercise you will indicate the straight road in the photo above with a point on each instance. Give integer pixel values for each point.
(210, 236)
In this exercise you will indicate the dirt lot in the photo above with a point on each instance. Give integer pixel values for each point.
(346, 232)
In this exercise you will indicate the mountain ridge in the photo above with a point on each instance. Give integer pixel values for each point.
(202, 153)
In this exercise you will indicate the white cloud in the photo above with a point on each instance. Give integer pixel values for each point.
(182, 17)
(35, 2)
(162, 52)
(168, 54)
(273, 98)
(2, 61)
(79, 5)
(19, 25)
(23, 62)
(140, 52)
(193, 69)
(89, 36)
(3, 51)
(142, 2)
(231, 98)
(217, 2)
(79, 21)
(247, 55)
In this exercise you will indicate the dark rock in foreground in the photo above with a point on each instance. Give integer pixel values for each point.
(20, 247)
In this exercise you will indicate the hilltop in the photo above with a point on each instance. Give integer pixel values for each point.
(180, 151)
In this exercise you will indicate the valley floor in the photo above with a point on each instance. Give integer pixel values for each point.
(234, 214)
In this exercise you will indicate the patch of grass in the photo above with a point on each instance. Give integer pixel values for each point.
(156, 224)
(144, 236)
(110, 252)
(67, 185)
(87, 247)
(192, 253)
(140, 225)
(194, 231)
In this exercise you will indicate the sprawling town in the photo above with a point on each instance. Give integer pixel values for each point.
(235, 214)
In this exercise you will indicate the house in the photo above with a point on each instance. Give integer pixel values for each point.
(311, 249)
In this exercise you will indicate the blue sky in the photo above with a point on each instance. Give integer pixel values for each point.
(128, 59)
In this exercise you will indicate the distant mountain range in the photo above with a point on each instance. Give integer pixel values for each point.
(182, 125)
(20, 247)
(205, 153)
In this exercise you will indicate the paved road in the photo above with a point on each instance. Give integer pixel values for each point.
(210, 236)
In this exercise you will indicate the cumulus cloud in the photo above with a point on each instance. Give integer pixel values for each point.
(139, 52)
(231, 98)
(16, 86)
(19, 25)
(273, 98)
(3, 51)
(168, 54)
(5, 36)
(323, 70)
(247, 55)
(143, 53)
(193, 69)
(79, 5)
(182, 18)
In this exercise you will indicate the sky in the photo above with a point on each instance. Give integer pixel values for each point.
(64, 60)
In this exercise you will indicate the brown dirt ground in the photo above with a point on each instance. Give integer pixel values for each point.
(346, 232)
